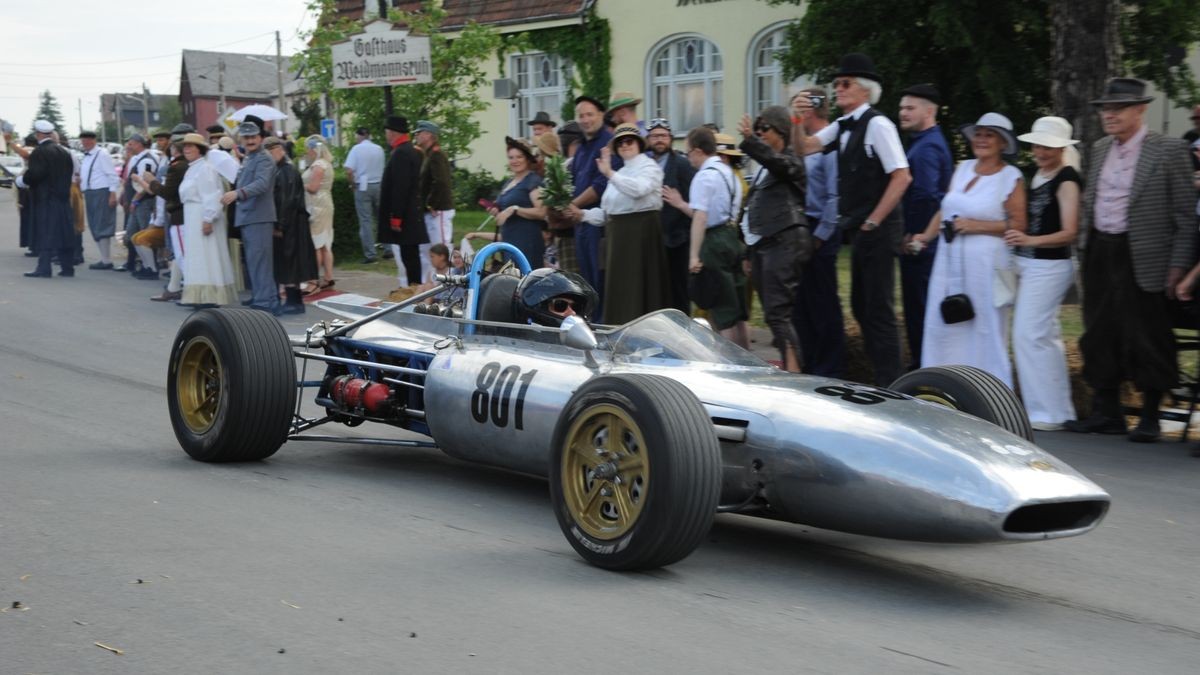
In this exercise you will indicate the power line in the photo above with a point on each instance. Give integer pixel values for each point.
(144, 58)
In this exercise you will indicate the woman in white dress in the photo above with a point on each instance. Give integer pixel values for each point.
(208, 278)
(986, 199)
(318, 183)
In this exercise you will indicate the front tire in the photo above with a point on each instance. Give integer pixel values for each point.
(231, 385)
(635, 472)
(970, 390)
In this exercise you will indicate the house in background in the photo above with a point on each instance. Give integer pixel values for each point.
(240, 79)
(127, 113)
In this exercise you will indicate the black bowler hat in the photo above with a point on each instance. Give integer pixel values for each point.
(926, 91)
(87, 133)
(542, 117)
(215, 129)
(397, 123)
(1125, 90)
(857, 65)
(593, 100)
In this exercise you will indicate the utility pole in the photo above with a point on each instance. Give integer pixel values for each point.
(387, 91)
(145, 109)
(220, 86)
(79, 107)
(279, 79)
(120, 131)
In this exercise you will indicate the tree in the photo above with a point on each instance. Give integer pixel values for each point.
(1023, 58)
(308, 111)
(451, 100)
(169, 112)
(48, 109)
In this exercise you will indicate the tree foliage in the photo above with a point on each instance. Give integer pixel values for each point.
(982, 55)
(451, 100)
(49, 110)
(169, 112)
(588, 48)
(308, 111)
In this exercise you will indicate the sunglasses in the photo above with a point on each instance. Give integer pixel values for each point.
(843, 82)
(561, 305)
(763, 128)
(627, 140)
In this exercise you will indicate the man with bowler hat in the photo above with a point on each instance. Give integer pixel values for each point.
(254, 215)
(401, 221)
(1138, 236)
(52, 223)
(872, 177)
(541, 124)
(932, 165)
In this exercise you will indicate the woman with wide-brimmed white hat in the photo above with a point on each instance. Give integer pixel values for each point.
(985, 200)
(1043, 263)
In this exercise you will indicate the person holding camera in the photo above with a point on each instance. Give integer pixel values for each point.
(971, 289)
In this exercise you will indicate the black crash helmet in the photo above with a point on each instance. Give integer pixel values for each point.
(531, 300)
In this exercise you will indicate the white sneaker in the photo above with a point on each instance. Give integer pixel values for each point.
(1046, 426)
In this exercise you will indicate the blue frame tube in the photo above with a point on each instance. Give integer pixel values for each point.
(476, 273)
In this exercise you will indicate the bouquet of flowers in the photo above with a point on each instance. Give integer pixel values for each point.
(556, 193)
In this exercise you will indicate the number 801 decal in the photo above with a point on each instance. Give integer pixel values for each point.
(493, 393)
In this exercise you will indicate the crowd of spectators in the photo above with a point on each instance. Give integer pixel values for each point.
(984, 253)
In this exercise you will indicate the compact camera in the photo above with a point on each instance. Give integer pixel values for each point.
(816, 101)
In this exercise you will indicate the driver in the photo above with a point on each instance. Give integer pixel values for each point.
(547, 296)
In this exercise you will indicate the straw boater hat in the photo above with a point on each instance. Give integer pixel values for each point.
(727, 145)
(1050, 132)
(626, 131)
(997, 123)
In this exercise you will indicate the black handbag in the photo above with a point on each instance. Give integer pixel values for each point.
(957, 307)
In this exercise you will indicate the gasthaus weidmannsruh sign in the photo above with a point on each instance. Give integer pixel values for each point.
(381, 56)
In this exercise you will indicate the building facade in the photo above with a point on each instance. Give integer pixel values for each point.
(208, 80)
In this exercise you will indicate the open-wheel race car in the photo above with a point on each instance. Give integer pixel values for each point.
(644, 430)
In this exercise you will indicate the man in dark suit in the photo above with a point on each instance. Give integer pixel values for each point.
(401, 219)
(1138, 235)
(676, 227)
(51, 221)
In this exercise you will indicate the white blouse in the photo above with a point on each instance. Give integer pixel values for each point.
(202, 186)
(635, 187)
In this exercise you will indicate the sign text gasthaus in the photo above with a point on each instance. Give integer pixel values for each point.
(381, 56)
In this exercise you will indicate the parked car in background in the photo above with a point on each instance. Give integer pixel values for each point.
(11, 166)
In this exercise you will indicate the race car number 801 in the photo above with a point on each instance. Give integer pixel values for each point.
(494, 404)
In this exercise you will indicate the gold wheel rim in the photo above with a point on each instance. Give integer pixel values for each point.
(936, 397)
(605, 472)
(198, 384)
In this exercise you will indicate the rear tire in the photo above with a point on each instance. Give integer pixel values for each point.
(231, 385)
(970, 390)
(635, 472)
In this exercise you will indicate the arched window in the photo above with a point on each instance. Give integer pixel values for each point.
(686, 77)
(767, 86)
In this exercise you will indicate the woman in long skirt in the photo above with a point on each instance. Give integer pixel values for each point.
(208, 278)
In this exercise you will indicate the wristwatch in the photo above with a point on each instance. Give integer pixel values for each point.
(869, 224)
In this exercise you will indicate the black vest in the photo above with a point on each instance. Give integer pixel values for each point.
(861, 179)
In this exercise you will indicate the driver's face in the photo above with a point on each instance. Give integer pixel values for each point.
(562, 307)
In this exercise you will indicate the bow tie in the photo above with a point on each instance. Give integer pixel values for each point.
(847, 124)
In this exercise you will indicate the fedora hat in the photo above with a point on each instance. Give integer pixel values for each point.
(857, 65)
(626, 131)
(997, 123)
(1125, 90)
(622, 99)
(1050, 132)
(542, 117)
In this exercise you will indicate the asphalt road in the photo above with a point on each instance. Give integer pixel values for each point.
(355, 559)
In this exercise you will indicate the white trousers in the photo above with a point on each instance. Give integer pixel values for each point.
(1037, 339)
(441, 231)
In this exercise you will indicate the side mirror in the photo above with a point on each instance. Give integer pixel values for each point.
(576, 334)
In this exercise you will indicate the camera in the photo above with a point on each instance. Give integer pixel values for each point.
(816, 101)
(948, 230)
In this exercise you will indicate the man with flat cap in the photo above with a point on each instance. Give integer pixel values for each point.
(541, 124)
(872, 177)
(1137, 232)
(254, 215)
(51, 221)
(364, 170)
(437, 193)
(932, 166)
(401, 218)
(100, 184)
(139, 207)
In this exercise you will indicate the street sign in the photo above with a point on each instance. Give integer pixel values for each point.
(381, 56)
(226, 120)
(328, 128)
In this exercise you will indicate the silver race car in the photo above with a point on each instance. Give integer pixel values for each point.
(644, 431)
